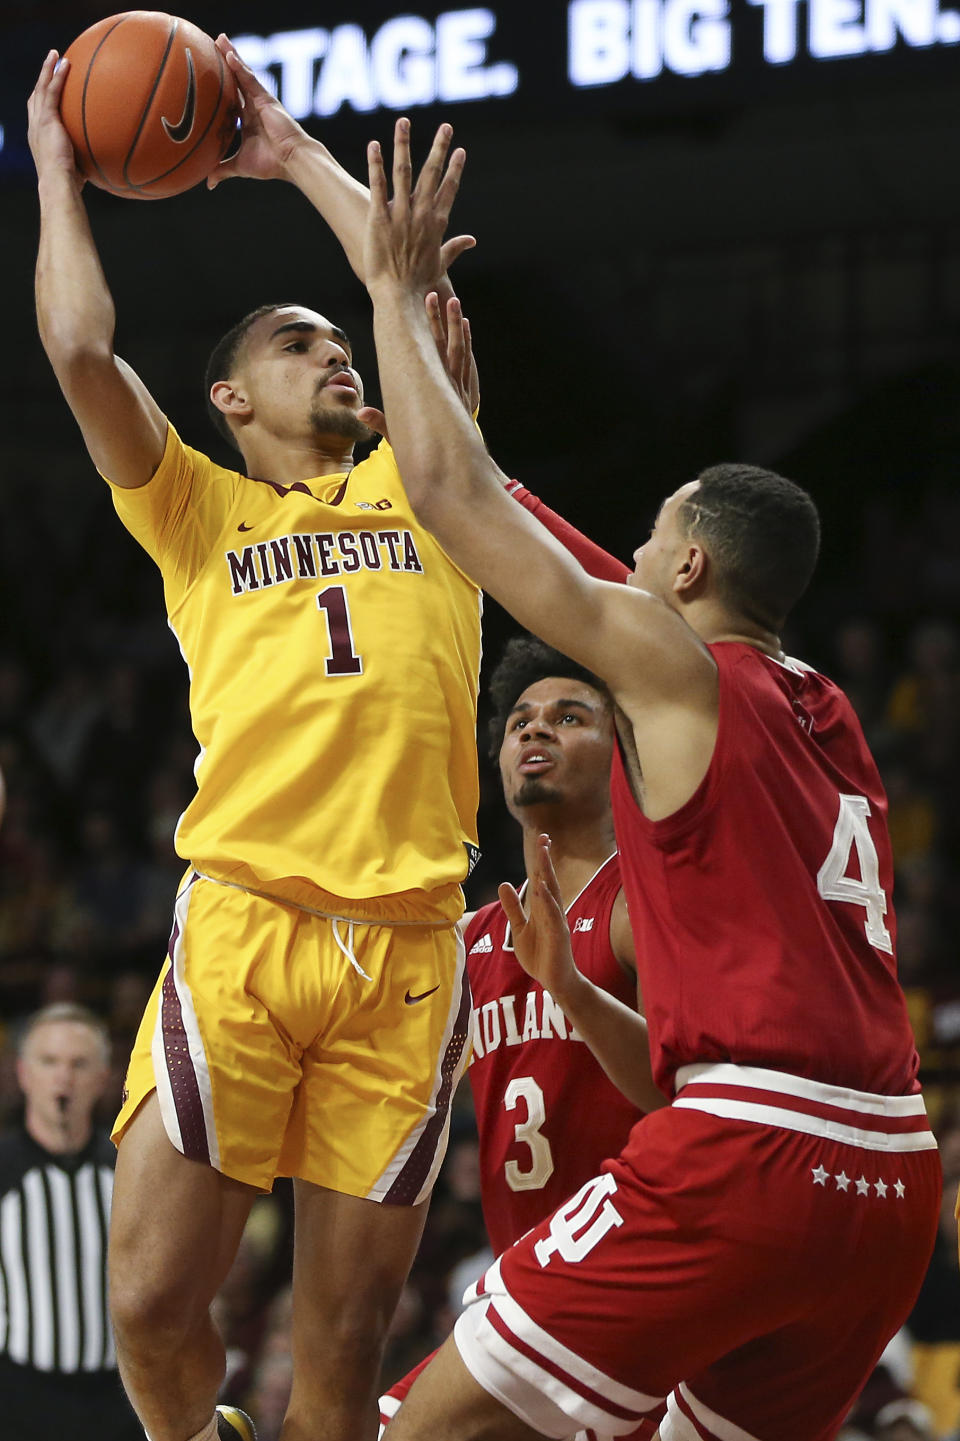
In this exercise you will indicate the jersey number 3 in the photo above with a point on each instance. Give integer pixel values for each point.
(538, 1173)
(343, 659)
(834, 884)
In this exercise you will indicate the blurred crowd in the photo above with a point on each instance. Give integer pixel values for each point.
(98, 756)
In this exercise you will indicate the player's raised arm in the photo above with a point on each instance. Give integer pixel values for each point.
(615, 1034)
(276, 147)
(124, 429)
(656, 666)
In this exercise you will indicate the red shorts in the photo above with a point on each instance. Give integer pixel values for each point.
(747, 1258)
(391, 1401)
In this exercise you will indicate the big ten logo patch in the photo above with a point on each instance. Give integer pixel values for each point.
(581, 1223)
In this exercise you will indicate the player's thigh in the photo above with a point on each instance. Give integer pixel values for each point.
(175, 1223)
(371, 1115)
(351, 1258)
(446, 1404)
(214, 1042)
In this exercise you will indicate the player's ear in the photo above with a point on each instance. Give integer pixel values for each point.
(230, 399)
(692, 570)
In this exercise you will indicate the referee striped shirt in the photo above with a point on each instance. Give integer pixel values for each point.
(54, 1218)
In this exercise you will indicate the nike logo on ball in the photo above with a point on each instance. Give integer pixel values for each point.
(412, 1000)
(181, 131)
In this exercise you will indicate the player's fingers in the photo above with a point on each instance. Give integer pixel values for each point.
(58, 79)
(374, 418)
(455, 341)
(435, 319)
(512, 908)
(376, 178)
(402, 166)
(226, 170)
(46, 72)
(429, 179)
(468, 361)
(450, 184)
(242, 73)
(545, 869)
(453, 248)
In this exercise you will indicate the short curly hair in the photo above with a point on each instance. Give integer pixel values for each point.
(526, 660)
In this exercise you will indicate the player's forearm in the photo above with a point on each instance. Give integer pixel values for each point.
(445, 463)
(459, 494)
(617, 1037)
(341, 200)
(75, 311)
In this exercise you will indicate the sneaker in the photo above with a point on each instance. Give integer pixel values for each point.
(234, 1425)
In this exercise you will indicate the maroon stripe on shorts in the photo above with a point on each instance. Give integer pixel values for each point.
(698, 1426)
(180, 1068)
(587, 1393)
(409, 1183)
(786, 1101)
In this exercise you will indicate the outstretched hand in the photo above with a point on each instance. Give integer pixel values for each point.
(404, 239)
(269, 134)
(541, 936)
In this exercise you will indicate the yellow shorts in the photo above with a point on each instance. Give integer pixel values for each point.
(272, 1055)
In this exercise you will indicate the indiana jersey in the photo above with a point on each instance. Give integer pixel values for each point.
(547, 1116)
(333, 651)
(761, 909)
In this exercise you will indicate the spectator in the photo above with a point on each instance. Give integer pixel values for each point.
(58, 1373)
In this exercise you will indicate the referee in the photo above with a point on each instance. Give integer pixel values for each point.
(58, 1370)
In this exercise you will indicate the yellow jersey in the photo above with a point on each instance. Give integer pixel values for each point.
(333, 650)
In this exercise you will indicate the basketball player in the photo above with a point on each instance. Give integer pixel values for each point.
(547, 1115)
(312, 1017)
(757, 1242)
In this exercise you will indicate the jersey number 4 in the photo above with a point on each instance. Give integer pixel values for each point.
(343, 659)
(850, 833)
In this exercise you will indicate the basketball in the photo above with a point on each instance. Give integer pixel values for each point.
(149, 104)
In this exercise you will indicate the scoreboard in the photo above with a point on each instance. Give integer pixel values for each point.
(532, 57)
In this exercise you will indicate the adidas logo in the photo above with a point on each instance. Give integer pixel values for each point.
(484, 945)
(584, 923)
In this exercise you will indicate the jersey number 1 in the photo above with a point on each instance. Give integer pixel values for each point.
(343, 659)
(850, 833)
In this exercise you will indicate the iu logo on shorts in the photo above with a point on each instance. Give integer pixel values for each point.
(580, 1223)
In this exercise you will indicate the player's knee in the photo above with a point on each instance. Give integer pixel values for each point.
(152, 1312)
(353, 1339)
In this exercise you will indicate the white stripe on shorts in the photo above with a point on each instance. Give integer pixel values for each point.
(549, 1388)
(677, 1427)
(168, 1108)
(385, 1181)
(764, 1097)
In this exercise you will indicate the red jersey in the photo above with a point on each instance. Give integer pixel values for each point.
(547, 1115)
(762, 908)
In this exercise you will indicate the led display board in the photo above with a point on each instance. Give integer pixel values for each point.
(536, 56)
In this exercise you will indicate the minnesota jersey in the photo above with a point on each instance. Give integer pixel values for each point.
(547, 1116)
(761, 909)
(333, 651)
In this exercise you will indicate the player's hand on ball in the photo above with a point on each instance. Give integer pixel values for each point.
(49, 142)
(270, 133)
(541, 936)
